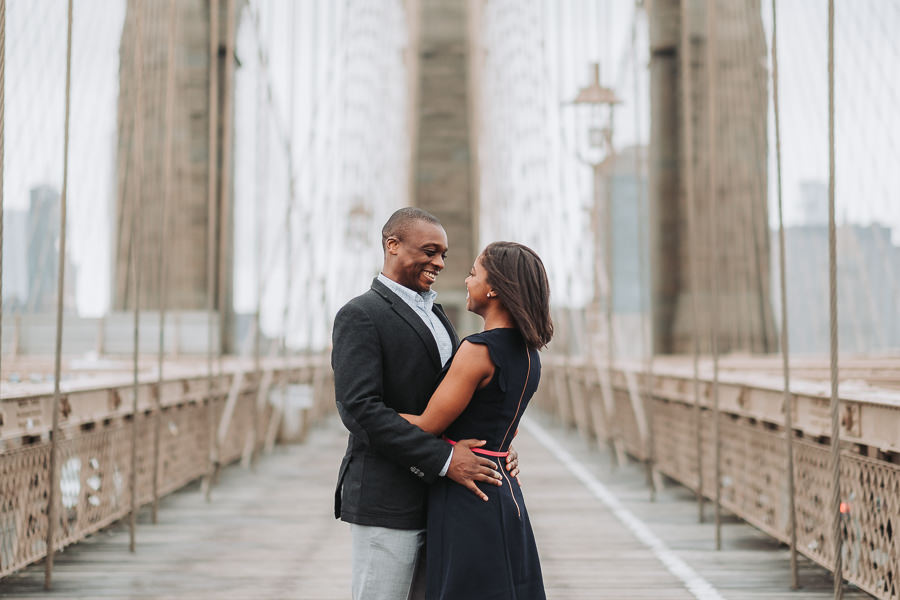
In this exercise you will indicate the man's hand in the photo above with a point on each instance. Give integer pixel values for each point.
(512, 463)
(466, 468)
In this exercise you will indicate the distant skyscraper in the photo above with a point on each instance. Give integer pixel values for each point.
(15, 252)
(43, 252)
(868, 288)
(629, 193)
(813, 203)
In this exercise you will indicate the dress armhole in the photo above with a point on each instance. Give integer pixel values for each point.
(499, 372)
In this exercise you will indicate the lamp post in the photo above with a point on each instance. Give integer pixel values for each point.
(594, 108)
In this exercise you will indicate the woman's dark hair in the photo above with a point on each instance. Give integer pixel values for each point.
(517, 275)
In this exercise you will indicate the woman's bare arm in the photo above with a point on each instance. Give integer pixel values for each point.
(471, 368)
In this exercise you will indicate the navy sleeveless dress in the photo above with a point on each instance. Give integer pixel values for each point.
(479, 550)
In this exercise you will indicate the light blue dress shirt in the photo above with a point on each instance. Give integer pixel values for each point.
(422, 304)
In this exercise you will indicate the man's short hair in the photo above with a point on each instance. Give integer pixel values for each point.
(399, 223)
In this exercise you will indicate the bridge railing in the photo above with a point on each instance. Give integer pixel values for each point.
(202, 422)
(658, 422)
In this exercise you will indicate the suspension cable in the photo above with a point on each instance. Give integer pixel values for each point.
(292, 198)
(832, 304)
(2, 136)
(211, 216)
(60, 284)
(136, 249)
(164, 243)
(711, 65)
(785, 352)
(224, 189)
(646, 308)
(691, 209)
(261, 173)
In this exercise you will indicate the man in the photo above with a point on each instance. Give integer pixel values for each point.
(390, 346)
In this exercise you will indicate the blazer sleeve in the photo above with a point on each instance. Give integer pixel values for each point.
(358, 385)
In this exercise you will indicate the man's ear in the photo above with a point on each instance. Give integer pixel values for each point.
(391, 245)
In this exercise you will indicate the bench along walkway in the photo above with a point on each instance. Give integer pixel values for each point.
(270, 533)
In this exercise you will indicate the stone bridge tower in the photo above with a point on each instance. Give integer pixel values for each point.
(741, 260)
(191, 153)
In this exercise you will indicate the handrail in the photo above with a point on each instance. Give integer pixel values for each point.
(95, 441)
(753, 450)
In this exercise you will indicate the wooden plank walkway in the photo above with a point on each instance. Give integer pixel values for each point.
(270, 534)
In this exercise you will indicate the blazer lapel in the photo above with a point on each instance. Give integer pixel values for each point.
(412, 319)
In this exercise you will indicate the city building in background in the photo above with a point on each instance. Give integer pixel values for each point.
(42, 253)
(15, 264)
(868, 272)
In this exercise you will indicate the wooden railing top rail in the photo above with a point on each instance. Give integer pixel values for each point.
(870, 414)
(26, 408)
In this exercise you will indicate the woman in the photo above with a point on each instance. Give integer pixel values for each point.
(476, 549)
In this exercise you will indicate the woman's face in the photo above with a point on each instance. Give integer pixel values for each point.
(477, 288)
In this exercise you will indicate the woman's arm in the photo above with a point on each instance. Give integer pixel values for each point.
(471, 367)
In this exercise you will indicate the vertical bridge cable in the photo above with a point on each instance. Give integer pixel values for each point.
(223, 221)
(211, 216)
(2, 135)
(224, 190)
(260, 169)
(136, 250)
(646, 312)
(292, 191)
(711, 125)
(785, 348)
(53, 480)
(691, 209)
(615, 423)
(832, 303)
(164, 242)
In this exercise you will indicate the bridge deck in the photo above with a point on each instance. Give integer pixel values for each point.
(270, 534)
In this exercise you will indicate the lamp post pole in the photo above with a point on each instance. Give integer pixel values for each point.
(598, 102)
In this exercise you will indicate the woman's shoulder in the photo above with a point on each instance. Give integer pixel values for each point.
(500, 342)
(493, 335)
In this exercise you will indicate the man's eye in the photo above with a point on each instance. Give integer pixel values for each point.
(429, 252)
(444, 256)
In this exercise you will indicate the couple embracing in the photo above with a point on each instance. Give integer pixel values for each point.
(428, 470)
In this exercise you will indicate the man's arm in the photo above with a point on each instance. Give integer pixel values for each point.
(357, 362)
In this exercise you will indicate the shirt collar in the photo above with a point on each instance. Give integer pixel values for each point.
(425, 300)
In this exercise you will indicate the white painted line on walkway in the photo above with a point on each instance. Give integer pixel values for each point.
(699, 587)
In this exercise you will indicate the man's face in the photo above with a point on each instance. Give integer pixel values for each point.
(416, 260)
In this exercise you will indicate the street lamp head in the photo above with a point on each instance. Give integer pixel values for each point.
(593, 111)
(594, 93)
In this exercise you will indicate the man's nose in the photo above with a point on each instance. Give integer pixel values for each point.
(438, 261)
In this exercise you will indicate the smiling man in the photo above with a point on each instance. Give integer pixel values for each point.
(390, 346)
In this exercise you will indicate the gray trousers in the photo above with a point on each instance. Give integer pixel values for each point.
(388, 564)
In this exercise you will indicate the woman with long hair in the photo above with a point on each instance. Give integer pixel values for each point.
(477, 549)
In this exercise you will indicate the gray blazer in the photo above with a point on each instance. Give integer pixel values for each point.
(385, 362)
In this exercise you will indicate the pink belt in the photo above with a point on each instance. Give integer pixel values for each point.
(481, 451)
